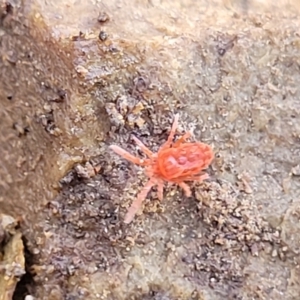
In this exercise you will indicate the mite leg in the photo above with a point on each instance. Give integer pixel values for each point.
(160, 190)
(172, 132)
(136, 204)
(186, 188)
(142, 146)
(127, 155)
(200, 177)
(182, 139)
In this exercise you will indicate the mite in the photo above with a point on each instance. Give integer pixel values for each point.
(175, 162)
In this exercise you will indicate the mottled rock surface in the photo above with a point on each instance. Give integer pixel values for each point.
(78, 76)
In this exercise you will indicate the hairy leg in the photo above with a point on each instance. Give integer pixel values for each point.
(142, 146)
(202, 177)
(136, 204)
(186, 188)
(172, 132)
(198, 178)
(182, 139)
(127, 155)
(160, 190)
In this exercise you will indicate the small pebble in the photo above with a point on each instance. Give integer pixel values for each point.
(103, 36)
(103, 17)
(296, 170)
(274, 253)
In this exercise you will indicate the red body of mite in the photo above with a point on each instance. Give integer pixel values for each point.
(183, 162)
(175, 162)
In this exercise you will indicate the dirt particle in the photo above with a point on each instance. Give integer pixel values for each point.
(286, 184)
(244, 183)
(11, 56)
(140, 84)
(87, 171)
(81, 70)
(103, 17)
(21, 129)
(274, 253)
(103, 36)
(296, 170)
(115, 116)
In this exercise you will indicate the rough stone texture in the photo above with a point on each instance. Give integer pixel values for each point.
(12, 260)
(79, 76)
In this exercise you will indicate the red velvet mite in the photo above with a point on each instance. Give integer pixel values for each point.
(175, 163)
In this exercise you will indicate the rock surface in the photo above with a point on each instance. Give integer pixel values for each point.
(77, 76)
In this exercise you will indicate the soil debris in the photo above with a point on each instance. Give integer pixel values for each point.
(12, 260)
